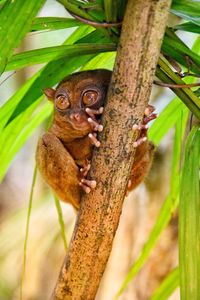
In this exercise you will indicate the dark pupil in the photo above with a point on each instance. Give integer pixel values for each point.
(61, 100)
(90, 97)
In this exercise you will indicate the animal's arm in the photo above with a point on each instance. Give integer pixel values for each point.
(59, 169)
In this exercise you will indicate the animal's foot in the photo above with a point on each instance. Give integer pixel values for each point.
(149, 115)
(139, 141)
(85, 169)
(143, 128)
(87, 185)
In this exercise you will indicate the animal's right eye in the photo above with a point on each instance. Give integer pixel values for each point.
(62, 102)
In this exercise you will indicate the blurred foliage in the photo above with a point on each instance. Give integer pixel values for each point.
(93, 46)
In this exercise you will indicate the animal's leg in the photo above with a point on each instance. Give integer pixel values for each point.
(59, 169)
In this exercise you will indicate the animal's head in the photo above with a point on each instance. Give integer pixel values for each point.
(74, 94)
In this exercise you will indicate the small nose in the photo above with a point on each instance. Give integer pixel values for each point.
(75, 116)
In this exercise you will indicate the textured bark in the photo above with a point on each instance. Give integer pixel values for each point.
(129, 91)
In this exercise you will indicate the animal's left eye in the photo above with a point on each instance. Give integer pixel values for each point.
(90, 97)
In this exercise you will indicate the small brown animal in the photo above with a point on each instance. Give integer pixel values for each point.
(64, 152)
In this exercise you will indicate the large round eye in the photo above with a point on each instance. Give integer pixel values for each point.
(62, 102)
(90, 97)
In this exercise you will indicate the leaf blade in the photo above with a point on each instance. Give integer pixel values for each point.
(167, 286)
(43, 55)
(189, 220)
(15, 22)
(187, 9)
(21, 134)
(53, 23)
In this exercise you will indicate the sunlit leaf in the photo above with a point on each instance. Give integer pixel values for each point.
(43, 55)
(167, 286)
(54, 23)
(189, 216)
(61, 221)
(166, 120)
(30, 204)
(180, 52)
(191, 27)
(18, 131)
(101, 61)
(15, 21)
(179, 48)
(9, 134)
(7, 109)
(187, 9)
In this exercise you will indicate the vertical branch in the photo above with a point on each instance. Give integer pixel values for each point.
(138, 50)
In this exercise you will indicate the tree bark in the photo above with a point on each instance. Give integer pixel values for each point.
(137, 54)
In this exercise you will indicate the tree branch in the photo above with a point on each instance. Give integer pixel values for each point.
(138, 50)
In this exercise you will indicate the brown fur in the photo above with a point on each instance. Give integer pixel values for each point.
(142, 164)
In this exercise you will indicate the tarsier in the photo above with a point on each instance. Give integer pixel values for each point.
(64, 152)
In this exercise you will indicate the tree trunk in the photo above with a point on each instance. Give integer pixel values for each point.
(137, 54)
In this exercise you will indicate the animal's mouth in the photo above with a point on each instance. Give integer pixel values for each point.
(79, 122)
(80, 126)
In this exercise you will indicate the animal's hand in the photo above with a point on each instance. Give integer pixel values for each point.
(95, 124)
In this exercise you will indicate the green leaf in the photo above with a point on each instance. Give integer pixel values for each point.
(2, 2)
(121, 8)
(13, 129)
(101, 61)
(30, 203)
(166, 74)
(61, 221)
(191, 27)
(180, 52)
(174, 109)
(167, 287)
(18, 131)
(76, 9)
(179, 47)
(15, 22)
(8, 108)
(166, 120)
(54, 23)
(189, 220)
(185, 94)
(110, 8)
(43, 55)
(79, 34)
(187, 9)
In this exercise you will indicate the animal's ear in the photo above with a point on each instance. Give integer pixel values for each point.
(50, 93)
